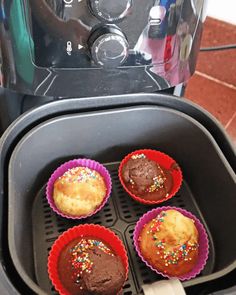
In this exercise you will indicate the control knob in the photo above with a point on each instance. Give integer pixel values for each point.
(110, 11)
(108, 46)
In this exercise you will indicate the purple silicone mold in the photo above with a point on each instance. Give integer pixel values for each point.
(72, 164)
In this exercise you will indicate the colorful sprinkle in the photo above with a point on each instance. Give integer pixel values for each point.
(179, 253)
(158, 182)
(131, 181)
(80, 256)
(138, 156)
(78, 174)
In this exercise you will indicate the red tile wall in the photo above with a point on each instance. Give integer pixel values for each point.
(213, 86)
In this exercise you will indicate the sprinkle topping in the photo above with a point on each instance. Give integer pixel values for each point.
(78, 174)
(178, 253)
(156, 223)
(158, 182)
(138, 156)
(80, 256)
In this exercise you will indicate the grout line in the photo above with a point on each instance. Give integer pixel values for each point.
(215, 80)
(230, 121)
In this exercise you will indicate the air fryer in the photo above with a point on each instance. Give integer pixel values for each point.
(54, 49)
(88, 72)
(71, 48)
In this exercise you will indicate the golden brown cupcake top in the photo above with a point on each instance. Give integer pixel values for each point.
(174, 235)
(79, 191)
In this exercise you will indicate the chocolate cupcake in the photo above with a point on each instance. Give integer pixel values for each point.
(146, 178)
(87, 266)
(88, 259)
(149, 176)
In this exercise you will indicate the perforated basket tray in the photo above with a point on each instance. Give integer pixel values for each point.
(120, 214)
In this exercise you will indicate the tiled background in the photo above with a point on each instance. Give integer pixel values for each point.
(213, 86)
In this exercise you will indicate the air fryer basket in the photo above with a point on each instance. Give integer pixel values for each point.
(107, 136)
(10, 280)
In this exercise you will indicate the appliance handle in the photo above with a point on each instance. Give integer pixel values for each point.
(170, 287)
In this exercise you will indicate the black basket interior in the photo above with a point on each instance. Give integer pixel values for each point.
(107, 136)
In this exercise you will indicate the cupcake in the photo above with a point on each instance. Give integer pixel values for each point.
(89, 266)
(172, 242)
(79, 191)
(78, 188)
(150, 176)
(84, 262)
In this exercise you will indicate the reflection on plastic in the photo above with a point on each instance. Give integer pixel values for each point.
(159, 55)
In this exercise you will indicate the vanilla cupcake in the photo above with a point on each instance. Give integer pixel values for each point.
(79, 191)
(79, 188)
(169, 243)
(172, 242)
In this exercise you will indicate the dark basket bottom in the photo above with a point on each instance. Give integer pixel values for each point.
(120, 214)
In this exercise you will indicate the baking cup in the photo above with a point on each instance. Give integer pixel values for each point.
(163, 160)
(86, 230)
(72, 164)
(203, 241)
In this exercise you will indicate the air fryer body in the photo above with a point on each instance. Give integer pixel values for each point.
(68, 48)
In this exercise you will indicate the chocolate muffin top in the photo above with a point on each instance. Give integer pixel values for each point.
(141, 172)
(146, 178)
(87, 266)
